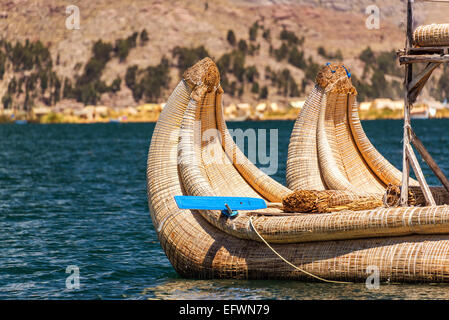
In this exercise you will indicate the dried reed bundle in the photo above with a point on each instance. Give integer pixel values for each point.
(392, 197)
(415, 196)
(357, 205)
(202, 78)
(308, 201)
(305, 200)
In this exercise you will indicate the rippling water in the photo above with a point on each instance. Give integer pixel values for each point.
(75, 195)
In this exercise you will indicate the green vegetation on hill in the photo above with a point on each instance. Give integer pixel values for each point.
(373, 83)
(2, 64)
(186, 57)
(149, 83)
(253, 30)
(32, 77)
(32, 61)
(337, 56)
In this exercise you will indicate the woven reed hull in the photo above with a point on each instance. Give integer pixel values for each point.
(198, 246)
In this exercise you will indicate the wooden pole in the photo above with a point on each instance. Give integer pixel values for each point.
(408, 154)
(413, 87)
(421, 78)
(429, 160)
(419, 81)
(408, 80)
(422, 181)
(408, 59)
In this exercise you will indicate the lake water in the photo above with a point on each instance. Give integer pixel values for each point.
(75, 195)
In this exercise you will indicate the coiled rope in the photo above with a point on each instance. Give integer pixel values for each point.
(288, 262)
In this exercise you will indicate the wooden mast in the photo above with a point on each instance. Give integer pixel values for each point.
(434, 56)
(407, 81)
(408, 155)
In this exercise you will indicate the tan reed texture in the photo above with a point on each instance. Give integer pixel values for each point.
(341, 165)
(432, 35)
(198, 249)
(358, 172)
(331, 165)
(440, 195)
(328, 148)
(303, 169)
(322, 152)
(392, 197)
(333, 78)
(305, 200)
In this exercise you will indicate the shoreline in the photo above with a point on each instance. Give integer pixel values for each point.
(152, 115)
(111, 121)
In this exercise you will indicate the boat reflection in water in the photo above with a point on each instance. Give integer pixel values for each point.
(182, 289)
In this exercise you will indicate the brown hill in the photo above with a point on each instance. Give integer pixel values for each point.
(333, 25)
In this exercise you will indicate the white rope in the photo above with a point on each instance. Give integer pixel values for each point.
(288, 262)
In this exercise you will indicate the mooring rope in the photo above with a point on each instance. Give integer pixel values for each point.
(288, 262)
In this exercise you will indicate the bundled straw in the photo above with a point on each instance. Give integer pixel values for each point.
(307, 201)
(392, 197)
(415, 196)
(431, 35)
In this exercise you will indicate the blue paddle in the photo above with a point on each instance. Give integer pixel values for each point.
(227, 205)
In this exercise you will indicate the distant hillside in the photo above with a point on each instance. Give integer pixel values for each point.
(130, 52)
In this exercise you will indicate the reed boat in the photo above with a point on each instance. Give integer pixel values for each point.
(405, 244)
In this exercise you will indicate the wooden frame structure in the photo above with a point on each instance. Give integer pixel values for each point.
(434, 57)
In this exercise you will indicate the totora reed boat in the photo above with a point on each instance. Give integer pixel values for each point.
(328, 150)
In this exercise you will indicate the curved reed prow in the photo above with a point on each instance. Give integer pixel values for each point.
(328, 148)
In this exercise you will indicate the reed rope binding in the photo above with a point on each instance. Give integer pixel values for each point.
(288, 262)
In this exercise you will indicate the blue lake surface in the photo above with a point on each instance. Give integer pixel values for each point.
(75, 195)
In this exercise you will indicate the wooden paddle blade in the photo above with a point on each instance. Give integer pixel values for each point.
(219, 203)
